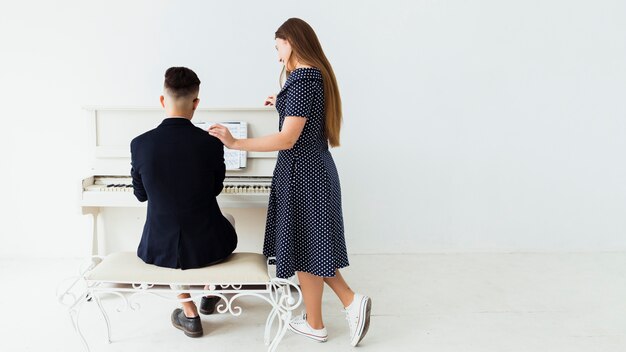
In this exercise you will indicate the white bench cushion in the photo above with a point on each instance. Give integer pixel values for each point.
(127, 268)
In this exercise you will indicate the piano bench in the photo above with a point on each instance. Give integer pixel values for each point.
(126, 276)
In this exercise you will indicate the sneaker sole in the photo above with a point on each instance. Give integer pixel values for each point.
(312, 337)
(366, 309)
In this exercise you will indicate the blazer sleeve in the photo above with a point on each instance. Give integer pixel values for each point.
(220, 168)
(138, 189)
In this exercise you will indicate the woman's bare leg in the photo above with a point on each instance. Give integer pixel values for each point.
(312, 289)
(341, 288)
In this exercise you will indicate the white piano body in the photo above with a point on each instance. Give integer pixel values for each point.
(107, 195)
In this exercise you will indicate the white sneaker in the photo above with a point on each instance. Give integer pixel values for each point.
(358, 316)
(300, 326)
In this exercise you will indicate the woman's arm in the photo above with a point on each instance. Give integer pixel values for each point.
(285, 139)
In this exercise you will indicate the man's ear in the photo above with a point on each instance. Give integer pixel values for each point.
(195, 103)
(162, 100)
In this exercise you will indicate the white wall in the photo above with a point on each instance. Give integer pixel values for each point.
(469, 125)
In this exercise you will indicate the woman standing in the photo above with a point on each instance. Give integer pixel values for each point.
(304, 229)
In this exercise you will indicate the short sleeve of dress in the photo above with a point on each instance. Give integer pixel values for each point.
(300, 97)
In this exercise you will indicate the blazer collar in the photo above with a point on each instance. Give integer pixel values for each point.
(176, 121)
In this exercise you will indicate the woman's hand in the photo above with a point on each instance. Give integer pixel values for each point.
(223, 134)
(270, 101)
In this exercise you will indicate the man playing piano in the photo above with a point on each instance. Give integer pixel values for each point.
(179, 169)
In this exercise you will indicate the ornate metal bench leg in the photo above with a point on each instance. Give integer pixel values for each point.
(270, 322)
(74, 313)
(283, 303)
(74, 302)
(284, 319)
(106, 317)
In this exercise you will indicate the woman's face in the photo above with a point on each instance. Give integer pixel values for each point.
(284, 50)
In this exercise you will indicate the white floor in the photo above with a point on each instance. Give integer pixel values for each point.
(427, 302)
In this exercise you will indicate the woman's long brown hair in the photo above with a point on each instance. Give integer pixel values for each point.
(308, 50)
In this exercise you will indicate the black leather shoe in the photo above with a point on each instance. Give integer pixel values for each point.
(207, 305)
(192, 327)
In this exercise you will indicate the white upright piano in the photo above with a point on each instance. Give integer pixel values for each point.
(107, 193)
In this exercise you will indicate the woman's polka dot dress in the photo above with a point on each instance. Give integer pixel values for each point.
(304, 229)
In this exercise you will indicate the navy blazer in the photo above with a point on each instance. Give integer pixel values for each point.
(179, 169)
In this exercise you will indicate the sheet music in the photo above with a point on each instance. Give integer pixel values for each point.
(234, 159)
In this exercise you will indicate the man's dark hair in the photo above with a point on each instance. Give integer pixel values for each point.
(181, 82)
